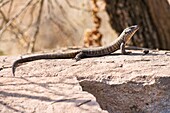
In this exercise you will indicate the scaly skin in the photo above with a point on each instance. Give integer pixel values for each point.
(119, 43)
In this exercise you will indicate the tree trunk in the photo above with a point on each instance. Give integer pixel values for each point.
(153, 17)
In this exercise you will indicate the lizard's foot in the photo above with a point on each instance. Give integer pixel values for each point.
(79, 56)
(77, 59)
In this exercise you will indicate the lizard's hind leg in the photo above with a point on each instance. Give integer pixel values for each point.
(79, 56)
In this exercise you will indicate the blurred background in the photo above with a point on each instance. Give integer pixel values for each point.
(28, 26)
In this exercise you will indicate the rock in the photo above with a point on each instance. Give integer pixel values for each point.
(45, 95)
(135, 83)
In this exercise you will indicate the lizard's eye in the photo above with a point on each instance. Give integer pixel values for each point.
(128, 31)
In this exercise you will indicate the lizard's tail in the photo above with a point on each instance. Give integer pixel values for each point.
(14, 65)
(44, 56)
(19, 61)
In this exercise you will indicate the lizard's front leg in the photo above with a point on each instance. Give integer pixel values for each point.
(79, 56)
(122, 48)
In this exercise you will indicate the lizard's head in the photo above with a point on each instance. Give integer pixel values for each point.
(129, 32)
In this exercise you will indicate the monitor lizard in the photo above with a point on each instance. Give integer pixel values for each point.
(119, 43)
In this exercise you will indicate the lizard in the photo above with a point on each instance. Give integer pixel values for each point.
(117, 44)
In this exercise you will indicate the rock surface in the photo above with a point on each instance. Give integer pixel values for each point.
(135, 83)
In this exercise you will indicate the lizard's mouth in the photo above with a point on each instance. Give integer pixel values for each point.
(137, 27)
(134, 28)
